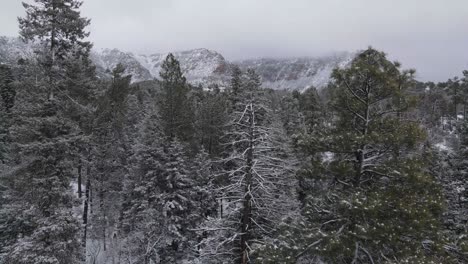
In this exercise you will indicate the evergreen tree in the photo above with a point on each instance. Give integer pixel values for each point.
(290, 113)
(39, 201)
(455, 183)
(236, 85)
(38, 224)
(175, 105)
(211, 120)
(110, 150)
(140, 211)
(58, 25)
(371, 201)
(166, 198)
(464, 92)
(7, 91)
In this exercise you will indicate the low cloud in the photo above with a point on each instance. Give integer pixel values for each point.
(429, 35)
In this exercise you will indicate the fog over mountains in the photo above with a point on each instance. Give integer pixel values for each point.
(203, 66)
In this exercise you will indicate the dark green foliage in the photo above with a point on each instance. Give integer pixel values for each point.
(39, 224)
(175, 105)
(7, 91)
(38, 198)
(235, 85)
(456, 186)
(109, 153)
(310, 107)
(371, 200)
(211, 120)
(166, 198)
(58, 24)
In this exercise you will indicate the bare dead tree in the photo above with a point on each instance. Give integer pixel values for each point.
(260, 184)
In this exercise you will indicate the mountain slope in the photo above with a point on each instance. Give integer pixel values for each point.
(203, 66)
(297, 73)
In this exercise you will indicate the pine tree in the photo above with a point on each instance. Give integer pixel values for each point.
(464, 92)
(236, 85)
(58, 25)
(455, 182)
(166, 198)
(38, 199)
(211, 118)
(39, 224)
(110, 151)
(7, 91)
(140, 215)
(372, 201)
(175, 105)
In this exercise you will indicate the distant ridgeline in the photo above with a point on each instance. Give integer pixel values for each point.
(203, 66)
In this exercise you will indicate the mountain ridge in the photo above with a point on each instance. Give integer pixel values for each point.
(203, 66)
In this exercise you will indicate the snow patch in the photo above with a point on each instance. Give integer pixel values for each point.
(443, 146)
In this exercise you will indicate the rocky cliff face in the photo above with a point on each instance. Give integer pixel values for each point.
(203, 66)
(297, 73)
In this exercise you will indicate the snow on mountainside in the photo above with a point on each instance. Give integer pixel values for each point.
(203, 66)
(297, 73)
(107, 59)
(198, 65)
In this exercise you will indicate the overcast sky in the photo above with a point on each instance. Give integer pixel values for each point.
(429, 35)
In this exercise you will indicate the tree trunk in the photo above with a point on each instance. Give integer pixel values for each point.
(358, 169)
(80, 193)
(85, 210)
(103, 215)
(247, 203)
(221, 208)
(53, 36)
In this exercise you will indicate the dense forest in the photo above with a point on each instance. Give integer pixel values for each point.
(370, 169)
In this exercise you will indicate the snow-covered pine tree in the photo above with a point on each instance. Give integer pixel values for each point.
(110, 151)
(290, 113)
(259, 184)
(7, 93)
(175, 105)
(236, 84)
(371, 201)
(59, 27)
(40, 225)
(211, 119)
(448, 166)
(455, 182)
(141, 214)
(166, 197)
(39, 202)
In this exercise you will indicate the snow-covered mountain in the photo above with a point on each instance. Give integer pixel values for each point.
(297, 73)
(198, 65)
(203, 66)
(107, 59)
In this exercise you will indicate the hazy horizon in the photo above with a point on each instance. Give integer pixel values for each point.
(429, 36)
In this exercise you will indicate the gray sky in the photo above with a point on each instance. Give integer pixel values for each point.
(429, 35)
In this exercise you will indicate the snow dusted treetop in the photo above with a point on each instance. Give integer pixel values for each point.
(57, 24)
(175, 105)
